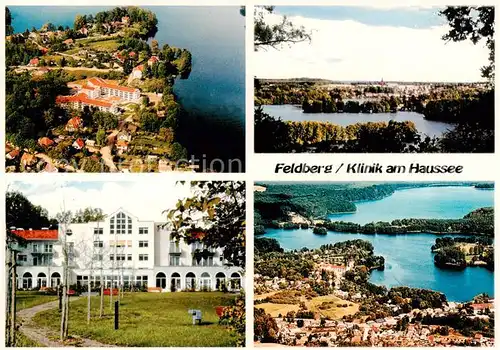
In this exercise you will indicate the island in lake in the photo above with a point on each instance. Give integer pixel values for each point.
(315, 93)
(388, 264)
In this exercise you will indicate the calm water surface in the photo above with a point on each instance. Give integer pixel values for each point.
(409, 261)
(294, 113)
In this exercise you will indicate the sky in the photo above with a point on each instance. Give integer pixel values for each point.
(361, 43)
(144, 199)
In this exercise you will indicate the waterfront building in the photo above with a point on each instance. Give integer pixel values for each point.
(123, 250)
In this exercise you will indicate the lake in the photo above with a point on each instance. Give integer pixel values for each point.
(294, 113)
(214, 94)
(408, 258)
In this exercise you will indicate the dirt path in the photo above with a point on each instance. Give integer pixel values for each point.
(47, 336)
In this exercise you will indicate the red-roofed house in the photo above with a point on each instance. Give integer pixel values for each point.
(28, 159)
(45, 142)
(152, 60)
(44, 50)
(78, 144)
(68, 41)
(122, 145)
(13, 154)
(34, 62)
(137, 72)
(35, 260)
(74, 124)
(132, 54)
(478, 308)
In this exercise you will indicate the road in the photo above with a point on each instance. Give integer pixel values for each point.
(46, 336)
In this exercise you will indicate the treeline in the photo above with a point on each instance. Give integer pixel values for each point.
(276, 136)
(141, 23)
(288, 265)
(477, 110)
(451, 257)
(312, 200)
(469, 225)
(451, 241)
(30, 108)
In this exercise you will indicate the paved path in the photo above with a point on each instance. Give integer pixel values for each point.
(47, 336)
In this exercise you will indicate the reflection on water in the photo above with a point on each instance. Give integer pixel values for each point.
(294, 113)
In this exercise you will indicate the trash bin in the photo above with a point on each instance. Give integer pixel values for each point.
(196, 316)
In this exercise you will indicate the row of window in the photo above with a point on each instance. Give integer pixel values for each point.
(175, 260)
(100, 244)
(42, 248)
(120, 228)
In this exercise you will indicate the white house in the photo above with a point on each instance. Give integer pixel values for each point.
(126, 251)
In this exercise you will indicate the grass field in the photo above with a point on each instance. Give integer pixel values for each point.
(24, 342)
(277, 309)
(334, 309)
(29, 299)
(149, 319)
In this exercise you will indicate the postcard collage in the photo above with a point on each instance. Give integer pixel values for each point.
(248, 174)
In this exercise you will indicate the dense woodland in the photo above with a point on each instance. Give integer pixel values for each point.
(316, 201)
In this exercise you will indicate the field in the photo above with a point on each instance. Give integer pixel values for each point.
(332, 310)
(149, 319)
(277, 309)
(25, 300)
(328, 305)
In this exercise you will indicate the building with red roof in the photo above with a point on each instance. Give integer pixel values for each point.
(45, 142)
(34, 62)
(37, 235)
(74, 124)
(78, 144)
(156, 261)
(152, 60)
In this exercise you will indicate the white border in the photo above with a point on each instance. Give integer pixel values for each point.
(479, 167)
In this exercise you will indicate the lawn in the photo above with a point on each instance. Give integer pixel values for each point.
(104, 45)
(23, 341)
(277, 309)
(334, 309)
(332, 306)
(29, 299)
(149, 319)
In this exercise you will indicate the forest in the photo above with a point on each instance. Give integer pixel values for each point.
(316, 201)
(478, 222)
(472, 134)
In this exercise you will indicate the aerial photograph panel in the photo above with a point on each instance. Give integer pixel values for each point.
(374, 264)
(124, 89)
(343, 79)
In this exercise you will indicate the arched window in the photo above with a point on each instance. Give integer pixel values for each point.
(161, 280)
(27, 281)
(205, 282)
(220, 281)
(55, 279)
(190, 281)
(235, 281)
(41, 280)
(120, 224)
(175, 282)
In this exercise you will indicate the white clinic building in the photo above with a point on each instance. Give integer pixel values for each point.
(122, 250)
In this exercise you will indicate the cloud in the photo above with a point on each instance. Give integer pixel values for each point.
(366, 52)
(144, 199)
